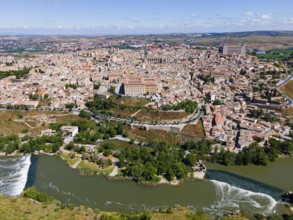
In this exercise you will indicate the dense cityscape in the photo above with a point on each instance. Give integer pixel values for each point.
(134, 112)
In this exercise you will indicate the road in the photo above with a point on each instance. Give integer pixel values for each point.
(289, 100)
(191, 118)
(280, 84)
(195, 116)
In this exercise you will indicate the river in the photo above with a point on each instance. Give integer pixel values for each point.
(223, 192)
(278, 174)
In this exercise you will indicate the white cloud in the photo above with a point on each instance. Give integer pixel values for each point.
(266, 17)
(195, 15)
(217, 24)
(249, 13)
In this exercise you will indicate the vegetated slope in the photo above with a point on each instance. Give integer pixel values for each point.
(288, 89)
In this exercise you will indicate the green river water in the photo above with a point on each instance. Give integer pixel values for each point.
(253, 189)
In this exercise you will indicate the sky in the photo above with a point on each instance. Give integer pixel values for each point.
(102, 17)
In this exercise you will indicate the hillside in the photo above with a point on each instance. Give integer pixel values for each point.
(288, 89)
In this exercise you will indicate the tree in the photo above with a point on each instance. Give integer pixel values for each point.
(69, 106)
(84, 114)
(120, 128)
(169, 175)
(180, 170)
(190, 159)
(112, 89)
(33, 96)
(97, 85)
(217, 102)
(112, 131)
(32, 193)
(204, 109)
(46, 96)
(107, 152)
(149, 172)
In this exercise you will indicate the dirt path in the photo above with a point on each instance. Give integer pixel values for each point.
(22, 121)
(135, 113)
(74, 166)
(114, 171)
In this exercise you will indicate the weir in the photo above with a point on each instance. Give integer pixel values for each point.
(14, 174)
(230, 197)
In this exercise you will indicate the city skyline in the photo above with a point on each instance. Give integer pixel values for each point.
(142, 17)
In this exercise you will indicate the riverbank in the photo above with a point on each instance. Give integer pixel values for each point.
(31, 209)
(14, 154)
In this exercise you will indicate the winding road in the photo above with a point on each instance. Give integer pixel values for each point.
(289, 100)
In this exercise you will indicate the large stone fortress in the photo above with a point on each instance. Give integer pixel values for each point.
(137, 86)
(232, 49)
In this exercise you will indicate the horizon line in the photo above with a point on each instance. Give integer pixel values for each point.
(138, 34)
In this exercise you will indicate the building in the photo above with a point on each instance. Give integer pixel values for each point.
(137, 86)
(102, 93)
(151, 86)
(69, 131)
(233, 49)
(48, 132)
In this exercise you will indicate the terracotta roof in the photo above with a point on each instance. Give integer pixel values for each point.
(219, 120)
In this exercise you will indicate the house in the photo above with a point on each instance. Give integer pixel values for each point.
(69, 131)
(48, 132)
(88, 148)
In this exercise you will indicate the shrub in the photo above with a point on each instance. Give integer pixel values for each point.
(32, 193)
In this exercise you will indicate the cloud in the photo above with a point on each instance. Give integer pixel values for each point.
(136, 21)
(266, 17)
(187, 25)
(249, 14)
(155, 19)
(195, 16)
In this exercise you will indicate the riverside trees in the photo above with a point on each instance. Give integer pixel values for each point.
(254, 154)
(10, 143)
(145, 164)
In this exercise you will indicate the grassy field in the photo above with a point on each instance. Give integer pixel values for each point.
(286, 111)
(277, 54)
(255, 41)
(155, 135)
(68, 160)
(189, 132)
(154, 115)
(10, 121)
(135, 102)
(146, 113)
(87, 168)
(126, 113)
(194, 130)
(288, 89)
(117, 144)
(9, 126)
(149, 115)
(23, 208)
(131, 101)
